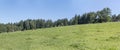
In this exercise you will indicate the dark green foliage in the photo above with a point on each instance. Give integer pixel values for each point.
(49, 23)
(32, 24)
(61, 22)
(104, 15)
(88, 18)
(91, 17)
(2, 28)
(116, 18)
(40, 23)
(10, 27)
(27, 24)
(74, 20)
(83, 19)
(20, 25)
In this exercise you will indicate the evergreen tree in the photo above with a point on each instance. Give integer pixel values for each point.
(104, 15)
(49, 23)
(32, 24)
(91, 17)
(114, 18)
(40, 23)
(3, 28)
(27, 24)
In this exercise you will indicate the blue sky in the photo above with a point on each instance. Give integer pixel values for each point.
(16, 10)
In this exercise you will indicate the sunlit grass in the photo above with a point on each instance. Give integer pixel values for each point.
(105, 36)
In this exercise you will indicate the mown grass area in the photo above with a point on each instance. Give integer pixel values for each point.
(105, 36)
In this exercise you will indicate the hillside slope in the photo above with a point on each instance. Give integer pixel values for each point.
(105, 36)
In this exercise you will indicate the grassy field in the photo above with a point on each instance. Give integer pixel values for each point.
(105, 36)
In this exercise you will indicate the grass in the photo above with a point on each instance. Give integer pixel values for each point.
(105, 36)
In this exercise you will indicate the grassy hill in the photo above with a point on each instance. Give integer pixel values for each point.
(105, 36)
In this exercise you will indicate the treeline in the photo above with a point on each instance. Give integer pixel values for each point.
(91, 17)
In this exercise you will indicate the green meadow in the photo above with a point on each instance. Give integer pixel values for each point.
(100, 36)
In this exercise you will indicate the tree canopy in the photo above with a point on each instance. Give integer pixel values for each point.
(100, 16)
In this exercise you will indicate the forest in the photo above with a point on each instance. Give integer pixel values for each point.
(101, 16)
